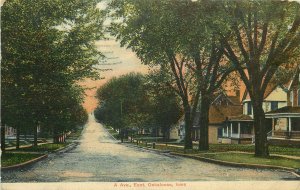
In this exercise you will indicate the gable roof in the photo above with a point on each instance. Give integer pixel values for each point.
(218, 114)
(270, 88)
(225, 100)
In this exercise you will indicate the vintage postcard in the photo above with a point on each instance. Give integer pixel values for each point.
(150, 94)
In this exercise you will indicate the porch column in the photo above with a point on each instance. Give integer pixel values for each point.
(231, 130)
(273, 126)
(227, 132)
(239, 129)
(290, 125)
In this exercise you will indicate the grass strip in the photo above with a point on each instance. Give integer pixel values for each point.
(10, 159)
(51, 147)
(251, 159)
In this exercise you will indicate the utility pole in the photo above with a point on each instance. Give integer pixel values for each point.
(121, 112)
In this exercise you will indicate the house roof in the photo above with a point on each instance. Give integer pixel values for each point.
(241, 117)
(224, 99)
(218, 114)
(235, 100)
(286, 109)
(270, 88)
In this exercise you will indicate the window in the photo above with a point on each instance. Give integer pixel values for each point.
(246, 128)
(249, 108)
(220, 132)
(235, 128)
(274, 105)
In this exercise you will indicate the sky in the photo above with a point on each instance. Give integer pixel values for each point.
(121, 61)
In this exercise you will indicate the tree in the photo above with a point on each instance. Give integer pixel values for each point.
(152, 37)
(123, 102)
(165, 109)
(175, 35)
(55, 38)
(263, 37)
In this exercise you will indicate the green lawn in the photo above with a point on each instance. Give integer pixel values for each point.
(10, 159)
(43, 148)
(251, 159)
(219, 153)
(239, 147)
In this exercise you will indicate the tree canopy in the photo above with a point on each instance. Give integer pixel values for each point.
(261, 39)
(47, 47)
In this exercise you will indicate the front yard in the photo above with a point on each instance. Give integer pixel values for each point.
(10, 159)
(251, 159)
(238, 153)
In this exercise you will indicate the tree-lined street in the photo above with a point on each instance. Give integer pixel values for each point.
(99, 157)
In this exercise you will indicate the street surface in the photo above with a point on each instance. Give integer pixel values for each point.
(99, 157)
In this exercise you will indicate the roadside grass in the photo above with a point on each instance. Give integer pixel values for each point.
(51, 147)
(246, 158)
(239, 148)
(10, 159)
(251, 159)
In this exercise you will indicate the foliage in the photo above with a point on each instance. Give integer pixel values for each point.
(261, 38)
(44, 57)
(176, 36)
(123, 102)
(134, 102)
(165, 109)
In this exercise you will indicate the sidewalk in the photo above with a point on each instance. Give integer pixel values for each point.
(279, 155)
(25, 146)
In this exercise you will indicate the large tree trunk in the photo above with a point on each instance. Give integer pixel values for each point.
(3, 138)
(261, 142)
(204, 122)
(188, 144)
(18, 138)
(35, 135)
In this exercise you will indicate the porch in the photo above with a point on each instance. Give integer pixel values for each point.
(285, 123)
(237, 130)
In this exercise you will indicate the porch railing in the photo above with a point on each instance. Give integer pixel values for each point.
(235, 135)
(285, 134)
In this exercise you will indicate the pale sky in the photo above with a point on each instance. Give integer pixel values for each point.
(121, 61)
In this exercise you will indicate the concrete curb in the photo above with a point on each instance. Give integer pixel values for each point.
(66, 148)
(234, 164)
(24, 164)
(225, 163)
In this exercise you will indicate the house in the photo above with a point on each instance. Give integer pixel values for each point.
(285, 122)
(239, 129)
(177, 131)
(222, 107)
(281, 105)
